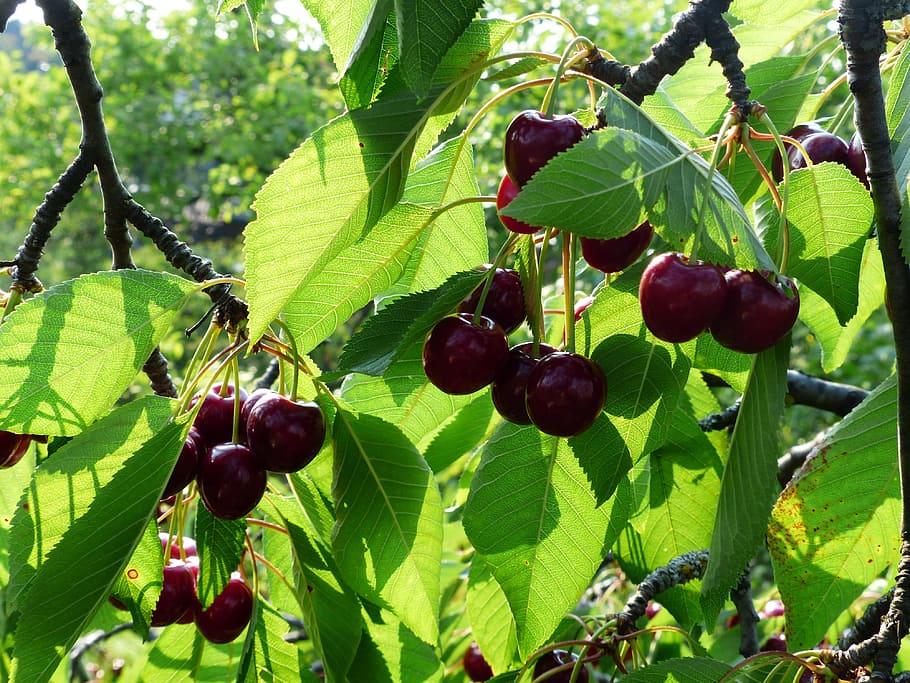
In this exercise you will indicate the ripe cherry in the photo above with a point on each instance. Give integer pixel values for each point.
(189, 546)
(679, 299)
(820, 147)
(505, 302)
(247, 406)
(231, 480)
(475, 666)
(856, 159)
(614, 255)
(13, 447)
(215, 421)
(507, 192)
(776, 643)
(178, 594)
(556, 658)
(532, 139)
(460, 357)
(509, 387)
(565, 393)
(187, 463)
(285, 435)
(229, 613)
(798, 133)
(759, 310)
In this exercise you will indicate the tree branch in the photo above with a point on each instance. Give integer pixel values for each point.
(741, 596)
(7, 8)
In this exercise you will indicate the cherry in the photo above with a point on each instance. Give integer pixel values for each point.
(565, 393)
(614, 255)
(505, 302)
(229, 613)
(231, 480)
(581, 306)
(475, 666)
(856, 159)
(215, 420)
(187, 462)
(798, 133)
(285, 435)
(192, 561)
(507, 192)
(510, 385)
(189, 546)
(775, 644)
(678, 299)
(460, 357)
(247, 406)
(532, 140)
(13, 447)
(820, 147)
(178, 594)
(556, 658)
(773, 608)
(757, 311)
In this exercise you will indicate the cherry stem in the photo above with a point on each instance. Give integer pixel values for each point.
(536, 303)
(235, 372)
(484, 199)
(569, 57)
(292, 344)
(200, 357)
(267, 525)
(13, 300)
(498, 262)
(272, 568)
(569, 246)
(552, 17)
(783, 237)
(729, 120)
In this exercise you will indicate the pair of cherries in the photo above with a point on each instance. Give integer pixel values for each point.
(745, 310)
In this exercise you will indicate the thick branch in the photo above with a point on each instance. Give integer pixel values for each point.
(741, 596)
(7, 7)
(159, 377)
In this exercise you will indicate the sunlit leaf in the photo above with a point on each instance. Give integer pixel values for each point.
(220, 544)
(391, 653)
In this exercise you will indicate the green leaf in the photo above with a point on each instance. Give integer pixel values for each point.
(331, 611)
(518, 68)
(729, 365)
(897, 103)
(426, 30)
(269, 656)
(461, 433)
(533, 517)
(399, 325)
(835, 528)
(688, 670)
(630, 168)
(349, 26)
(749, 484)
(835, 340)
(375, 54)
(830, 216)
(388, 534)
(492, 623)
(68, 354)
(220, 544)
(104, 484)
(140, 583)
(182, 649)
(392, 653)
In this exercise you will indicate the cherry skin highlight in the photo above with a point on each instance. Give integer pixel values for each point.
(532, 139)
(460, 357)
(215, 420)
(229, 613)
(679, 299)
(178, 593)
(285, 435)
(507, 192)
(231, 481)
(565, 393)
(505, 303)
(13, 447)
(757, 311)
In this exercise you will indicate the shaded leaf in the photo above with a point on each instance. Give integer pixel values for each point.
(391, 653)
(492, 623)
(220, 544)
(268, 656)
(67, 355)
(688, 670)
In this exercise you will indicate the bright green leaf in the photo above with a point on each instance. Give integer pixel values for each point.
(749, 484)
(392, 653)
(375, 54)
(492, 623)
(388, 534)
(835, 528)
(269, 656)
(140, 583)
(689, 670)
(68, 354)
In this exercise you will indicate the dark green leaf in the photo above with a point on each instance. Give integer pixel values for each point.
(138, 587)
(689, 670)
(492, 623)
(269, 657)
(391, 653)
(376, 53)
(220, 544)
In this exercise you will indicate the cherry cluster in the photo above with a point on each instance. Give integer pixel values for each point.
(178, 603)
(560, 392)
(820, 146)
(274, 434)
(745, 310)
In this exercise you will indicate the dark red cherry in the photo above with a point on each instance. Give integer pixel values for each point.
(776, 643)
(192, 561)
(187, 463)
(556, 658)
(460, 357)
(856, 159)
(820, 147)
(614, 255)
(507, 192)
(475, 666)
(759, 310)
(798, 132)
(565, 393)
(505, 303)
(285, 435)
(13, 447)
(247, 406)
(679, 299)
(231, 480)
(532, 139)
(178, 594)
(173, 551)
(509, 387)
(229, 613)
(215, 421)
